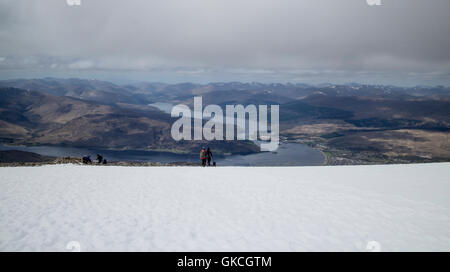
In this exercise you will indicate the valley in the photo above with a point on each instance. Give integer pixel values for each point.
(350, 124)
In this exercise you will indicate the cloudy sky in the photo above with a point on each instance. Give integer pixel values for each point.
(402, 42)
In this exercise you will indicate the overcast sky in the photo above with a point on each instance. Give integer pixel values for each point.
(402, 42)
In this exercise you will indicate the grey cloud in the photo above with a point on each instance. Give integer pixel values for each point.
(407, 40)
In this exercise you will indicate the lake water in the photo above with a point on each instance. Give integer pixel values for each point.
(163, 106)
(288, 154)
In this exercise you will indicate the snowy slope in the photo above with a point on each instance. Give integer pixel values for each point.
(401, 207)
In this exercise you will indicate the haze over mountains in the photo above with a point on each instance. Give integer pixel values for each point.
(353, 123)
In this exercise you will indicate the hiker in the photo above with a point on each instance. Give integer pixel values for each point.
(87, 159)
(209, 156)
(99, 158)
(203, 156)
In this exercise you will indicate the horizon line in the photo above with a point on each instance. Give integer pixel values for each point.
(228, 82)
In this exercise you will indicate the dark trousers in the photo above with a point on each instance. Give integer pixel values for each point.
(209, 161)
(203, 162)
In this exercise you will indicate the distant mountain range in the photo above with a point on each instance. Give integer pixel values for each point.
(144, 93)
(93, 113)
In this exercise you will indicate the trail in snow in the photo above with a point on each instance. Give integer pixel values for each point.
(402, 207)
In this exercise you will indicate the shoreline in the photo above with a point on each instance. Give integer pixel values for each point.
(171, 159)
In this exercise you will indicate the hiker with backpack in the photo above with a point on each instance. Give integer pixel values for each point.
(99, 158)
(209, 156)
(203, 156)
